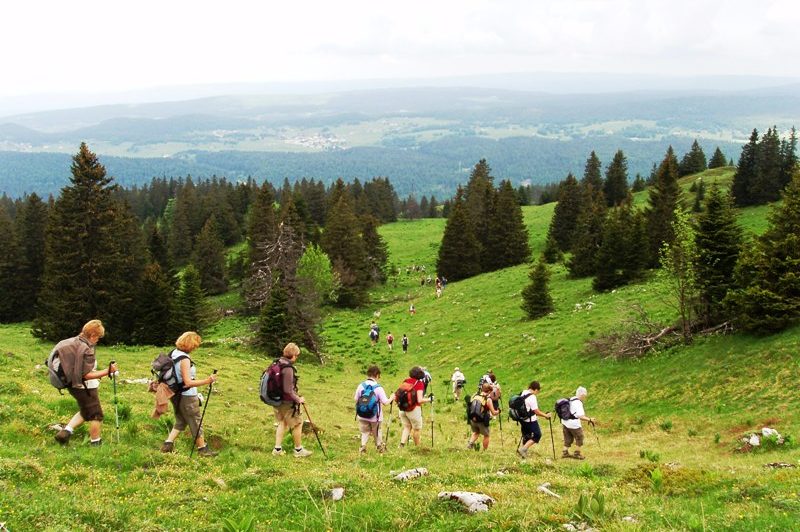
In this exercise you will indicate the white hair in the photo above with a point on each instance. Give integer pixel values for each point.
(581, 391)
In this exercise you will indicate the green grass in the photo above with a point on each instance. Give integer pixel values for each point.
(714, 390)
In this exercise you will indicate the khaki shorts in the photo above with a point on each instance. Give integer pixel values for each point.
(412, 419)
(369, 427)
(88, 403)
(479, 428)
(187, 413)
(288, 415)
(571, 435)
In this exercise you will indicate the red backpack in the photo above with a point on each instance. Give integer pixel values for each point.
(406, 396)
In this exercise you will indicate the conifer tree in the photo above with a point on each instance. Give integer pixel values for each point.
(377, 251)
(767, 183)
(565, 215)
(479, 201)
(718, 160)
(31, 224)
(615, 187)
(693, 162)
(592, 173)
(157, 246)
(536, 298)
(209, 259)
(459, 254)
(260, 223)
(664, 198)
(93, 258)
(719, 241)
(11, 292)
(508, 242)
(551, 254)
(620, 259)
(746, 172)
(343, 244)
(154, 313)
(639, 184)
(588, 235)
(767, 297)
(190, 312)
(788, 154)
(275, 328)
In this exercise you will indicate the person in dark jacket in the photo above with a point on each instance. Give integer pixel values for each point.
(287, 415)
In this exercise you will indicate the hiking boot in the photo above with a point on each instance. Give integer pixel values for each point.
(382, 448)
(522, 452)
(302, 453)
(578, 456)
(402, 445)
(205, 451)
(565, 454)
(278, 452)
(167, 447)
(470, 446)
(62, 436)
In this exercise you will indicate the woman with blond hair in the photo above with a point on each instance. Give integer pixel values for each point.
(187, 403)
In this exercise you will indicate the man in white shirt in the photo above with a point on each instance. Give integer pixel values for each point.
(531, 432)
(573, 432)
(458, 379)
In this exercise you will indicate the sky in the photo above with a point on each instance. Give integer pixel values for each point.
(107, 46)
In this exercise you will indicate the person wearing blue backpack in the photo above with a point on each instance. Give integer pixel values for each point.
(370, 398)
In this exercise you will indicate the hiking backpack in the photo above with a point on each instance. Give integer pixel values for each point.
(563, 408)
(57, 377)
(517, 410)
(271, 388)
(476, 409)
(368, 405)
(165, 368)
(406, 396)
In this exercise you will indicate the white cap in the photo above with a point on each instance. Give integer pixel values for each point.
(581, 391)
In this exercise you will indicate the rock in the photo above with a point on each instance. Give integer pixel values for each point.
(136, 381)
(766, 431)
(545, 488)
(336, 494)
(779, 465)
(754, 440)
(486, 335)
(473, 502)
(411, 473)
(570, 527)
(629, 519)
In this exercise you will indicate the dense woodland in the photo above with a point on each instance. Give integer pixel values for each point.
(145, 258)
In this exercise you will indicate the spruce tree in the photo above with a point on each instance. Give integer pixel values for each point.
(693, 162)
(154, 312)
(767, 297)
(190, 312)
(615, 187)
(788, 155)
(275, 328)
(11, 292)
(664, 198)
(767, 183)
(565, 215)
(718, 160)
(746, 172)
(588, 235)
(551, 254)
(459, 252)
(209, 259)
(592, 173)
(93, 259)
(620, 259)
(260, 223)
(536, 299)
(508, 242)
(157, 246)
(719, 241)
(639, 184)
(31, 225)
(342, 242)
(479, 201)
(377, 251)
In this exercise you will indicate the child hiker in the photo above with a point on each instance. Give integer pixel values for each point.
(370, 398)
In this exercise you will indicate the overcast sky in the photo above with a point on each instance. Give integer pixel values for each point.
(93, 46)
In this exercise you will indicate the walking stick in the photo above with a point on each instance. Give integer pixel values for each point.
(431, 398)
(314, 428)
(594, 430)
(116, 409)
(202, 416)
(388, 425)
(500, 417)
(552, 441)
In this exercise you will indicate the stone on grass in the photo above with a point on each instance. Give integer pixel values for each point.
(545, 488)
(411, 473)
(336, 494)
(472, 502)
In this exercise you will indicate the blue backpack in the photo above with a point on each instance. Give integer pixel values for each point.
(368, 405)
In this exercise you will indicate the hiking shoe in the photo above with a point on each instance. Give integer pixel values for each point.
(167, 447)
(205, 451)
(62, 436)
(97, 443)
(578, 456)
(565, 454)
(278, 452)
(302, 453)
(401, 445)
(382, 448)
(470, 446)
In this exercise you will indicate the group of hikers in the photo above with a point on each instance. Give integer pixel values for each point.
(72, 365)
(375, 337)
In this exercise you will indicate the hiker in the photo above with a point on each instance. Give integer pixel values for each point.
(571, 420)
(426, 379)
(389, 340)
(76, 360)
(404, 343)
(287, 415)
(458, 381)
(412, 310)
(490, 378)
(369, 398)
(373, 334)
(529, 426)
(438, 292)
(186, 404)
(410, 398)
(480, 411)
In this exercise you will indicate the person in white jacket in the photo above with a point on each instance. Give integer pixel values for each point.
(458, 380)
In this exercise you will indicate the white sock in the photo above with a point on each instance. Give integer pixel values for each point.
(68, 429)
(97, 440)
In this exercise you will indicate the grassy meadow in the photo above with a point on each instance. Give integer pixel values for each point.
(663, 454)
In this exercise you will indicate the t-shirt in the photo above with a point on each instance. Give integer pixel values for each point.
(379, 393)
(179, 375)
(457, 376)
(531, 404)
(576, 407)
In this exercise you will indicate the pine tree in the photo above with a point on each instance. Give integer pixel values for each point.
(11, 292)
(260, 223)
(31, 225)
(591, 173)
(275, 328)
(565, 215)
(190, 312)
(719, 241)
(788, 154)
(693, 162)
(767, 297)
(342, 242)
(154, 302)
(588, 235)
(664, 198)
(718, 160)
(616, 184)
(377, 251)
(93, 259)
(767, 183)
(479, 201)
(459, 252)
(551, 254)
(508, 245)
(157, 246)
(209, 259)
(536, 299)
(639, 184)
(620, 259)
(746, 172)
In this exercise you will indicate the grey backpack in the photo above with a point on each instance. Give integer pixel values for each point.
(57, 377)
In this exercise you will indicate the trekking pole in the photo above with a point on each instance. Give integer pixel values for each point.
(431, 397)
(116, 410)
(594, 430)
(203, 415)
(552, 441)
(314, 428)
(500, 417)
(388, 425)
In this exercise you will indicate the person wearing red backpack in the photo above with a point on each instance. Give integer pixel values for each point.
(370, 398)
(410, 397)
(287, 414)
